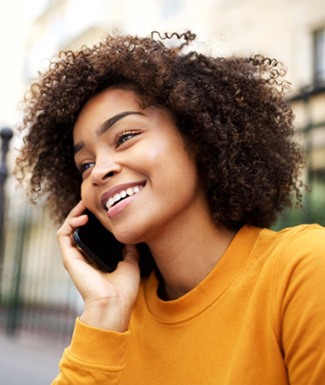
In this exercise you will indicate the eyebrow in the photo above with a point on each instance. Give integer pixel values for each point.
(106, 126)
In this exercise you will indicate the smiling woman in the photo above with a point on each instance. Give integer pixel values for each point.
(193, 157)
(151, 158)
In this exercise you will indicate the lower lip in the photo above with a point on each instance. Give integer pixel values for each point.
(119, 207)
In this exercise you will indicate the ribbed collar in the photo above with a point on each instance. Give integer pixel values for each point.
(210, 289)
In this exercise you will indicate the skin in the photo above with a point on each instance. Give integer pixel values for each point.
(171, 214)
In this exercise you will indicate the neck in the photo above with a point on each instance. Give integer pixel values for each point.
(193, 249)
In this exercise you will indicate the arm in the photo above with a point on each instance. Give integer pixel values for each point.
(94, 356)
(100, 337)
(302, 267)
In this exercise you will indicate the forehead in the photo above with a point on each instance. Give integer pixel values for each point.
(103, 107)
(107, 108)
(108, 102)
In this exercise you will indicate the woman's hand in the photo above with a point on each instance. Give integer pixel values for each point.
(108, 297)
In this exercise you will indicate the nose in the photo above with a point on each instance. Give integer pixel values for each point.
(104, 170)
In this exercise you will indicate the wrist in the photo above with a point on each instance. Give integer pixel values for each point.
(107, 314)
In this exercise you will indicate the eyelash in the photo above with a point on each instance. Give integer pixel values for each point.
(84, 167)
(122, 137)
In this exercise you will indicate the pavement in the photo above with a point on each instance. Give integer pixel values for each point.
(29, 360)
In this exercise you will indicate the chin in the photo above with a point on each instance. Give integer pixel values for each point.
(132, 237)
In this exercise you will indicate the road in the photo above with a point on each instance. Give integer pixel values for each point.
(27, 361)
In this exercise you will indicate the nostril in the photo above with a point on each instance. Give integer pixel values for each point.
(104, 170)
(108, 175)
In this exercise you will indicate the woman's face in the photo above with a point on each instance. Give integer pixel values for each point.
(138, 178)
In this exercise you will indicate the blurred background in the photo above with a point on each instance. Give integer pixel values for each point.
(38, 303)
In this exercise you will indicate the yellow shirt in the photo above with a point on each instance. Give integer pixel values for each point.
(257, 318)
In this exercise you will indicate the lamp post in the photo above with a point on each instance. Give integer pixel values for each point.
(5, 135)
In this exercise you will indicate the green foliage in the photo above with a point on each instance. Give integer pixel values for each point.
(313, 210)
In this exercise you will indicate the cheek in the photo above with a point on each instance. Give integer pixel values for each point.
(176, 168)
(85, 195)
(163, 151)
(150, 154)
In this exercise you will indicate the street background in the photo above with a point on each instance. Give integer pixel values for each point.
(38, 303)
(28, 361)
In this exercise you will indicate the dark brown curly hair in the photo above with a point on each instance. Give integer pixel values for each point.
(232, 110)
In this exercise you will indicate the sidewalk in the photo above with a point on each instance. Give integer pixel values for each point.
(29, 361)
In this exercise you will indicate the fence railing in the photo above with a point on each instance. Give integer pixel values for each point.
(37, 296)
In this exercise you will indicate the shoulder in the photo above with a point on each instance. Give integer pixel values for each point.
(303, 232)
(298, 241)
(298, 299)
(300, 257)
(293, 254)
(302, 241)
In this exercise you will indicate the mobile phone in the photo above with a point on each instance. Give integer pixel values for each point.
(99, 245)
(103, 250)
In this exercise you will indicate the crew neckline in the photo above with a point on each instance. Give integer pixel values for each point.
(210, 289)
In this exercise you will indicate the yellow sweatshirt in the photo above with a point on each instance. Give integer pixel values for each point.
(257, 318)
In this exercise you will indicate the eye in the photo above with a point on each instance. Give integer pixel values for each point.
(124, 136)
(85, 166)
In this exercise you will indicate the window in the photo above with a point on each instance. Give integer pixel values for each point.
(319, 56)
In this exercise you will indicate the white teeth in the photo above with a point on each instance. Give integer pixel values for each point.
(110, 202)
(122, 194)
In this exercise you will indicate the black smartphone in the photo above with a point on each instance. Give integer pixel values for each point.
(103, 250)
(99, 246)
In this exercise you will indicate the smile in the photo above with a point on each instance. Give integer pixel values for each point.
(122, 194)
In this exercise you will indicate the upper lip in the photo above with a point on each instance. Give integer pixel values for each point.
(117, 189)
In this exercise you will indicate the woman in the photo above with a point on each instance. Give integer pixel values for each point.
(194, 156)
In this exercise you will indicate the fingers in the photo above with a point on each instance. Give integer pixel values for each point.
(69, 251)
(72, 257)
(75, 219)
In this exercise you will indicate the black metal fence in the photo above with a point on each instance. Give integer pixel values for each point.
(37, 296)
(5, 137)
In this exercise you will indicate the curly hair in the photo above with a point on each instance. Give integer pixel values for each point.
(233, 110)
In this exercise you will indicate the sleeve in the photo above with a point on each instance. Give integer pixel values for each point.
(302, 272)
(94, 356)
